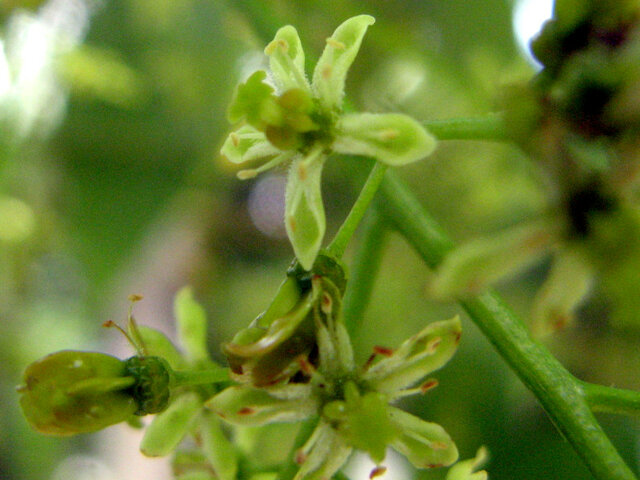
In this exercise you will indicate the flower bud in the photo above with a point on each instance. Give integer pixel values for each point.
(72, 392)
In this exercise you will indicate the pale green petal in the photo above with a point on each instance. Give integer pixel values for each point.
(392, 138)
(286, 60)
(243, 405)
(472, 267)
(338, 55)
(247, 144)
(323, 455)
(417, 357)
(304, 212)
(425, 444)
(219, 451)
(568, 283)
(169, 427)
(191, 323)
(466, 469)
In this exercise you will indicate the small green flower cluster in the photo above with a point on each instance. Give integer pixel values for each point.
(295, 362)
(303, 122)
(580, 118)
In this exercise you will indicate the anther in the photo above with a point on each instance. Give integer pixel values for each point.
(377, 471)
(428, 385)
(384, 351)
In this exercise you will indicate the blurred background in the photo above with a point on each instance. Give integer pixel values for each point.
(112, 114)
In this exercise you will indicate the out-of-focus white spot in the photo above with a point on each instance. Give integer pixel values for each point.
(360, 466)
(266, 205)
(82, 467)
(528, 18)
(30, 94)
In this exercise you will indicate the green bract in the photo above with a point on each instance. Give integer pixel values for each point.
(304, 122)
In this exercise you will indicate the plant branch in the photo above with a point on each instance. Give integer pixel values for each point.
(488, 127)
(558, 391)
(611, 399)
(339, 243)
(364, 269)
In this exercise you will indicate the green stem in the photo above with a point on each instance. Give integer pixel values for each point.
(364, 269)
(558, 391)
(182, 378)
(339, 243)
(487, 127)
(612, 400)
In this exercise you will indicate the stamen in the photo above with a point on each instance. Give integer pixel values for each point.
(428, 385)
(384, 351)
(246, 411)
(377, 471)
(326, 72)
(235, 139)
(337, 44)
(326, 303)
(300, 457)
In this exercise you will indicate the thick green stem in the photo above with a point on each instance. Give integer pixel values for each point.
(364, 270)
(612, 400)
(488, 127)
(339, 243)
(558, 391)
(181, 378)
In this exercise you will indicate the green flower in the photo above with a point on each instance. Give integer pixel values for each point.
(303, 122)
(353, 404)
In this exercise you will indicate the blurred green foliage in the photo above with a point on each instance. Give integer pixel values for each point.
(111, 184)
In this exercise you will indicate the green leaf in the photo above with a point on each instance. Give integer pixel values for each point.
(191, 322)
(286, 60)
(250, 99)
(417, 357)
(247, 144)
(392, 138)
(425, 444)
(331, 70)
(169, 427)
(304, 212)
(244, 405)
